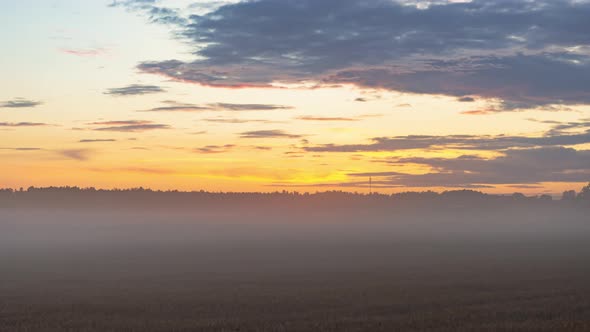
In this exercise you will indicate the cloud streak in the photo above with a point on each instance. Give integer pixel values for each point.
(268, 134)
(173, 106)
(19, 103)
(130, 126)
(23, 124)
(134, 90)
(323, 118)
(248, 107)
(75, 154)
(22, 149)
(84, 53)
(522, 166)
(213, 149)
(96, 140)
(463, 142)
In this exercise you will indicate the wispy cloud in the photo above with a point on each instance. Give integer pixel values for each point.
(22, 124)
(262, 148)
(128, 126)
(461, 142)
(96, 140)
(156, 14)
(145, 170)
(89, 52)
(134, 90)
(466, 99)
(19, 103)
(248, 107)
(134, 128)
(268, 134)
(174, 106)
(22, 149)
(76, 154)
(119, 122)
(518, 166)
(236, 121)
(210, 149)
(322, 118)
(479, 112)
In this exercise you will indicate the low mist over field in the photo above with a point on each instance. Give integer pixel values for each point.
(460, 261)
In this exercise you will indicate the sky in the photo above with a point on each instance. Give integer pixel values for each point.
(305, 95)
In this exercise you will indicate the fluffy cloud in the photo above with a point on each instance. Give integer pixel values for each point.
(525, 54)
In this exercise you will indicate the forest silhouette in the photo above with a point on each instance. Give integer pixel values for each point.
(267, 201)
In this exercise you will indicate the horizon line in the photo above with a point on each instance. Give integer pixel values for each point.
(283, 192)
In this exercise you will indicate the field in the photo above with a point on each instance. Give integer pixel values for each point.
(64, 270)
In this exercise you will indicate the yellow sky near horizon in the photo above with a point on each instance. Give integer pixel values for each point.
(68, 64)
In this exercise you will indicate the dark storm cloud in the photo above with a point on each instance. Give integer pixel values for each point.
(268, 134)
(525, 53)
(522, 166)
(134, 90)
(19, 103)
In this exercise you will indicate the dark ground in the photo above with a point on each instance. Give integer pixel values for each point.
(131, 271)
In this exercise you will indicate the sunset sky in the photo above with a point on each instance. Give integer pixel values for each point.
(299, 95)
